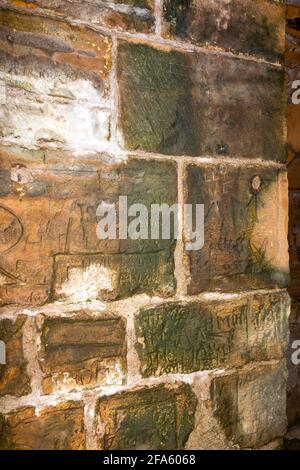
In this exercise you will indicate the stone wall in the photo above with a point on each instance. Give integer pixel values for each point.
(130, 344)
(293, 141)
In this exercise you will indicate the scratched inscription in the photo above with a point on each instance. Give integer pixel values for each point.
(182, 338)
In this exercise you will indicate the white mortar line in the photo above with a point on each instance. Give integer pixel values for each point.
(158, 13)
(181, 271)
(120, 154)
(31, 346)
(9, 403)
(98, 309)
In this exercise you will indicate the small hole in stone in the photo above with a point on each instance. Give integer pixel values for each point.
(256, 183)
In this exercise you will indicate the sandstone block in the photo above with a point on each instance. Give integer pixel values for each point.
(55, 84)
(48, 234)
(58, 427)
(128, 15)
(245, 227)
(14, 378)
(152, 418)
(247, 26)
(182, 103)
(82, 352)
(183, 337)
(250, 404)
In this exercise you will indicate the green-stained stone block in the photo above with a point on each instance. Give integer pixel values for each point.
(155, 418)
(186, 103)
(180, 337)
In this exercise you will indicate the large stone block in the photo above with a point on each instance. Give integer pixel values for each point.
(184, 103)
(250, 404)
(245, 227)
(181, 337)
(151, 418)
(247, 26)
(54, 84)
(58, 427)
(82, 352)
(14, 379)
(48, 239)
(128, 15)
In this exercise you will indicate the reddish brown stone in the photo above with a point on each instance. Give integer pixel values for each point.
(82, 352)
(128, 15)
(14, 379)
(49, 239)
(59, 427)
(247, 26)
(245, 227)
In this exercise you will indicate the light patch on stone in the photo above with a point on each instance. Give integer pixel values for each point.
(3, 280)
(87, 284)
(20, 174)
(270, 231)
(69, 113)
(113, 374)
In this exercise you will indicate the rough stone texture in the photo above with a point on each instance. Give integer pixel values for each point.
(95, 97)
(82, 352)
(245, 227)
(252, 27)
(54, 84)
(155, 418)
(48, 240)
(191, 104)
(128, 15)
(53, 428)
(250, 404)
(182, 337)
(14, 379)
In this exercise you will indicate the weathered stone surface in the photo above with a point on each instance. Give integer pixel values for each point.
(252, 27)
(180, 103)
(48, 240)
(180, 337)
(82, 352)
(150, 418)
(245, 227)
(250, 404)
(53, 428)
(128, 15)
(54, 84)
(14, 379)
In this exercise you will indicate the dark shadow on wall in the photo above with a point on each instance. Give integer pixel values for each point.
(292, 62)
